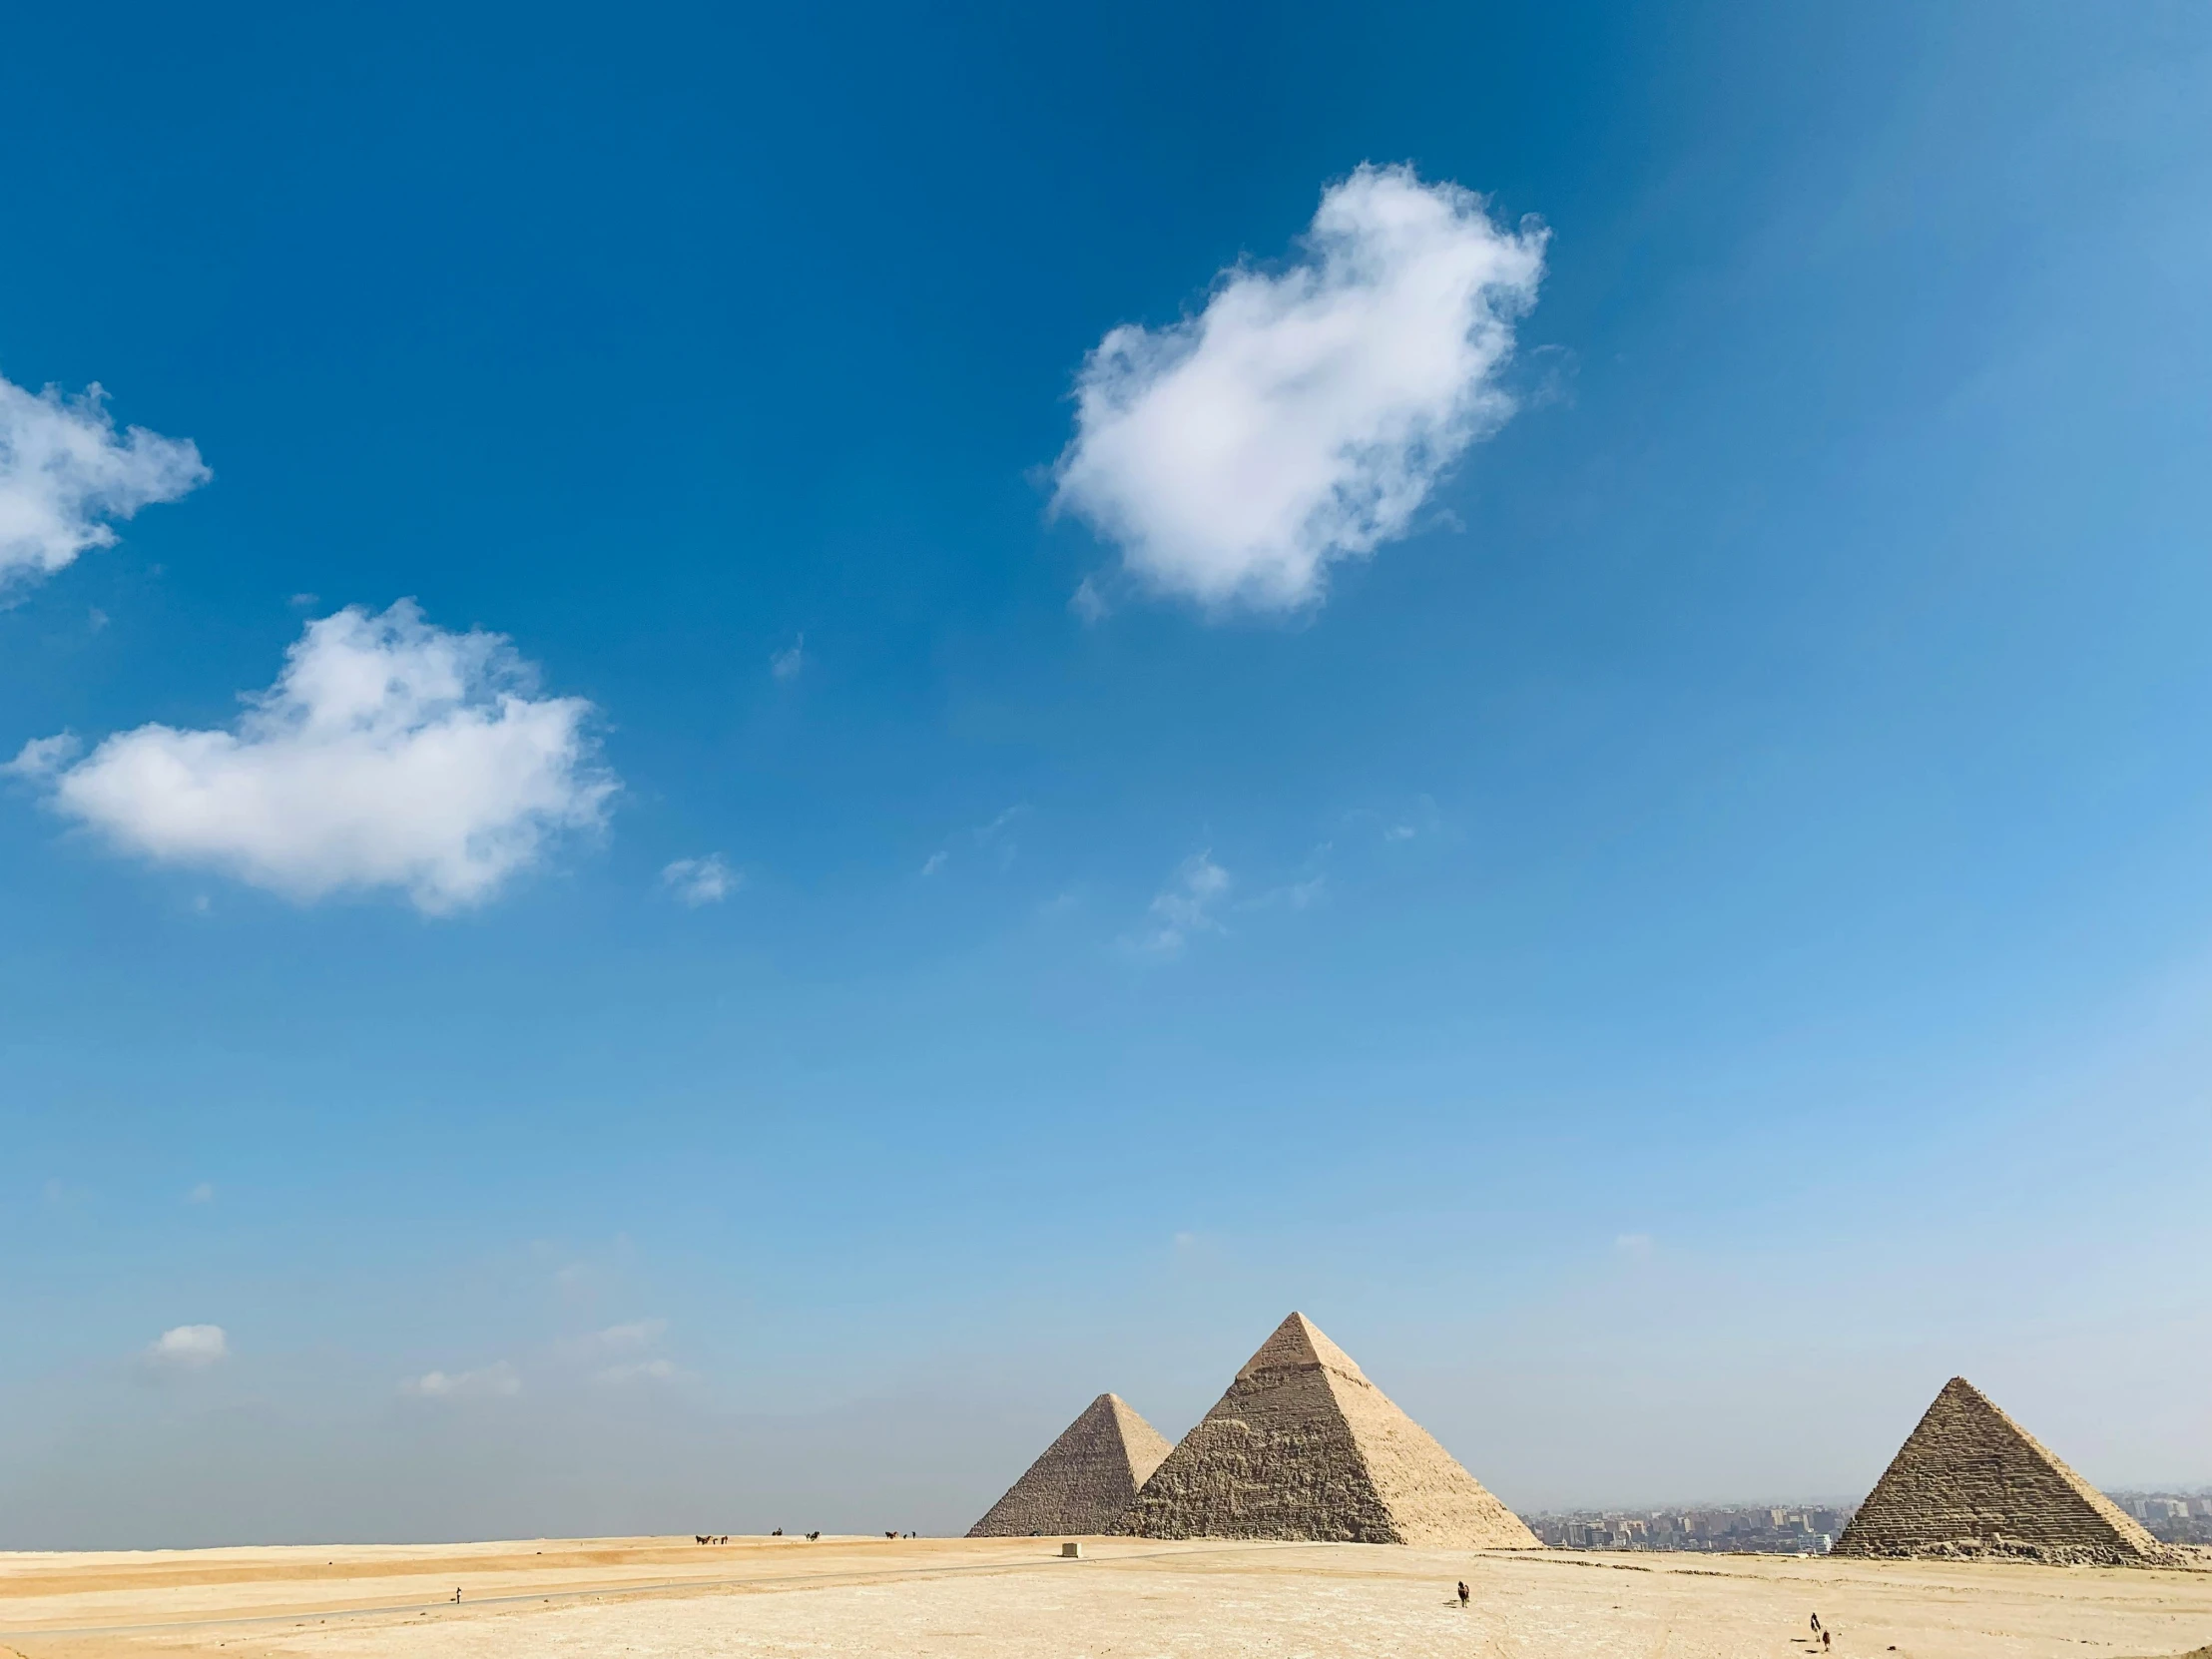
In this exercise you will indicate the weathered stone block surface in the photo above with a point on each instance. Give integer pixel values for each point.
(1304, 1447)
(1972, 1482)
(1086, 1478)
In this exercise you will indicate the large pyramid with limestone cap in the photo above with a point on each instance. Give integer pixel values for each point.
(1086, 1478)
(1303, 1446)
(1969, 1481)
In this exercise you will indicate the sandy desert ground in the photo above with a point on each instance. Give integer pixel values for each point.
(998, 1598)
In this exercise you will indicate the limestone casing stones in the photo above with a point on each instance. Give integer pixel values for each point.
(1972, 1482)
(1304, 1447)
(1084, 1480)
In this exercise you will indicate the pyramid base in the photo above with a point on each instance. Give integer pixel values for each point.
(2013, 1549)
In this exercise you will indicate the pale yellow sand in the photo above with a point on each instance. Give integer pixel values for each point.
(1001, 1598)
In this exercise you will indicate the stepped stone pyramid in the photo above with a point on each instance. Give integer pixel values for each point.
(1303, 1446)
(1085, 1479)
(1969, 1481)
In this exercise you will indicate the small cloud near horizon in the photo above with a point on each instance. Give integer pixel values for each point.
(627, 1337)
(785, 664)
(620, 1353)
(638, 1371)
(498, 1380)
(186, 1348)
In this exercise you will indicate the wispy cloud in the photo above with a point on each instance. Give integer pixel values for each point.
(1303, 418)
(698, 881)
(785, 664)
(993, 841)
(65, 472)
(1291, 895)
(1185, 906)
(638, 1371)
(497, 1381)
(202, 1193)
(389, 754)
(621, 1353)
(627, 1337)
(186, 1348)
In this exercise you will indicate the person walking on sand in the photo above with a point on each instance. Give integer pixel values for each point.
(1463, 1592)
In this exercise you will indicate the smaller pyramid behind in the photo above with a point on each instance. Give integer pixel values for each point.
(1304, 1447)
(1085, 1479)
(1969, 1481)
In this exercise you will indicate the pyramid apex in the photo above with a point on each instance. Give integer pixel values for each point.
(1299, 1344)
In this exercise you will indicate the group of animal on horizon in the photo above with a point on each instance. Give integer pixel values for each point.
(723, 1538)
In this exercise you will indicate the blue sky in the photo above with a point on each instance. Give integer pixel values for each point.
(1639, 844)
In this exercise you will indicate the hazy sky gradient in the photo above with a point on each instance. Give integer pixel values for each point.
(1704, 935)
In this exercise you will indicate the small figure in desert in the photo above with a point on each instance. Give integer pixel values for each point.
(1463, 1592)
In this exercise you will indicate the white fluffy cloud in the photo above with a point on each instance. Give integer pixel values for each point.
(1303, 416)
(388, 755)
(65, 471)
(492, 1382)
(188, 1348)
